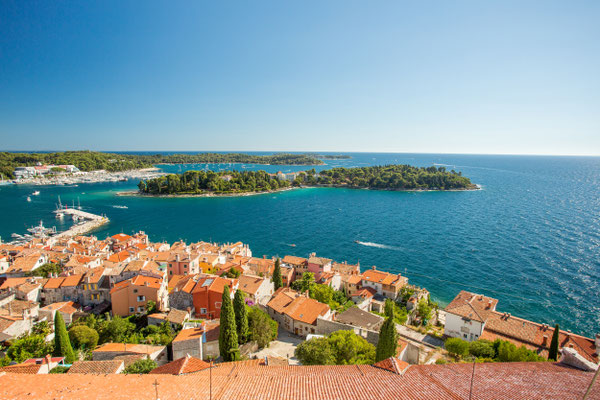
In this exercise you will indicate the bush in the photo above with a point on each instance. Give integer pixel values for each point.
(441, 361)
(140, 367)
(339, 348)
(33, 346)
(83, 337)
(59, 370)
(261, 327)
(482, 349)
(457, 347)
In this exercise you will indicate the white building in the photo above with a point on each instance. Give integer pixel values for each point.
(467, 314)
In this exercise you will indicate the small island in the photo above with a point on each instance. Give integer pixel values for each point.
(388, 177)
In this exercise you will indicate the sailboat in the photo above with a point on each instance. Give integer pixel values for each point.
(78, 204)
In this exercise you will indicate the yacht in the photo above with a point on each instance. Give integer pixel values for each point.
(36, 193)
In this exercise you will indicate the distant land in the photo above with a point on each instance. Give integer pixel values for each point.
(388, 177)
(112, 162)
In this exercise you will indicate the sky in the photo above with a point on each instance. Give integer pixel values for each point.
(490, 77)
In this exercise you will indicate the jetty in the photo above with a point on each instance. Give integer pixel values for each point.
(88, 222)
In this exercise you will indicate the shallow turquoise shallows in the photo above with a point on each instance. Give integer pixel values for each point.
(530, 238)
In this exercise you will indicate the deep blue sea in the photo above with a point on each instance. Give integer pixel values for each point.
(530, 238)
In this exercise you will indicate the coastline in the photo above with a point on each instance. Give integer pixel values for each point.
(137, 193)
(92, 177)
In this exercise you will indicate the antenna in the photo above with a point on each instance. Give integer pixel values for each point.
(156, 384)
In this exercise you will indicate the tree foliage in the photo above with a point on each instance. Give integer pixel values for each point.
(277, 281)
(241, 316)
(228, 339)
(46, 269)
(388, 337)
(141, 367)
(339, 348)
(33, 346)
(457, 347)
(387, 177)
(83, 337)
(483, 350)
(62, 344)
(553, 353)
(261, 327)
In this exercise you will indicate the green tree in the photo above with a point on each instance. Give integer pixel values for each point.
(141, 367)
(388, 338)
(117, 330)
(42, 328)
(349, 348)
(277, 275)
(305, 283)
(33, 346)
(457, 347)
(316, 351)
(482, 349)
(228, 340)
(553, 353)
(83, 337)
(46, 269)
(151, 307)
(262, 328)
(424, 310)
(62, 344)
(241, 316)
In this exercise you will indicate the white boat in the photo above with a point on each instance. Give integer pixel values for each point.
(120, 207)
(28, 198)
(36, 193)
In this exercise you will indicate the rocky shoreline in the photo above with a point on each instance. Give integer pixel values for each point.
(92, 177)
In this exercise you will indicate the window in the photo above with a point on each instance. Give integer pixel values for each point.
(131, 309)
(203, 311)
(170, 272)
(141, 298)
(141, 309)
(95, 286)
(217, 304)
(134, 290)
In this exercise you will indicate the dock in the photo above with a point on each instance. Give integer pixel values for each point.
(89, 222)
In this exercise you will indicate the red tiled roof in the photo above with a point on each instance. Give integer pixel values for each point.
(181, 366)
(473, 306)
(103, 367)
(247, 381)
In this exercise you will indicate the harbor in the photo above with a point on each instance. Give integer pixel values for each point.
(84, 222)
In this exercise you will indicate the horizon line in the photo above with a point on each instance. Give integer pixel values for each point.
(305, 151)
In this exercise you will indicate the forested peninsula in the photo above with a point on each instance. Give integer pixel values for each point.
(388, 177)
(113, 162)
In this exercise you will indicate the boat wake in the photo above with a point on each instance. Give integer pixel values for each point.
(120, 207)
(378, 245)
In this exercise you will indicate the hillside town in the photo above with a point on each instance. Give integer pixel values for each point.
(131, 305)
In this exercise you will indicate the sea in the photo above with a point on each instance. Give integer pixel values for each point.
(530, 237)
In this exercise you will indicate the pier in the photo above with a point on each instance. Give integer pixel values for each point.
(89, 222)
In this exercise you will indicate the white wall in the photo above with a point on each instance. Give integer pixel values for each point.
(456, 326)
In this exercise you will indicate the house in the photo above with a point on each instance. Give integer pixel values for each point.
(345, 268)
(51, 291)
(131, 297)
(181, 366)
(297, 313)
(105, 367)
(363, 298)
(288, 275)
(258, 289)
(94, 287)
(69, 287)
(183, 263)
(26, 263)
(318, 265)
(121, 241)
(261, 266)
(67, 310)
(299, 264)
(24, 288)
(174, 317)
(331, 279)
(473, 316)
(140, 267)
(361, 319)
(112, 351)
(34, 366)
(384, 283)
(351, 283)
(188, 342)
(17, 317)
(208, 295)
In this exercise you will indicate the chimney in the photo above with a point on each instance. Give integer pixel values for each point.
(597, 343)
(489, 305)
(545, 341)
(373, 268)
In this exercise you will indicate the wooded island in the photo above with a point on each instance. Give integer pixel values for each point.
(388, 177)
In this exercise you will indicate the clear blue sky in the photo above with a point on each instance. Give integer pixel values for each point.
(423, 76)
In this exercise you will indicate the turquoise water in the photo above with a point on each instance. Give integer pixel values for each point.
(530, 238)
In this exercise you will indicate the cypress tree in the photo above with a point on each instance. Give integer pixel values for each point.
(228, 339)
(388, 342)
(241, 316)
(277, 275)
(62, 344)
(553, 353)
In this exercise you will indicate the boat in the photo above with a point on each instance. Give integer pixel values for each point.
(28, 198)
(123, 179)
(116, 206)
(292, 245)
(36, 193)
